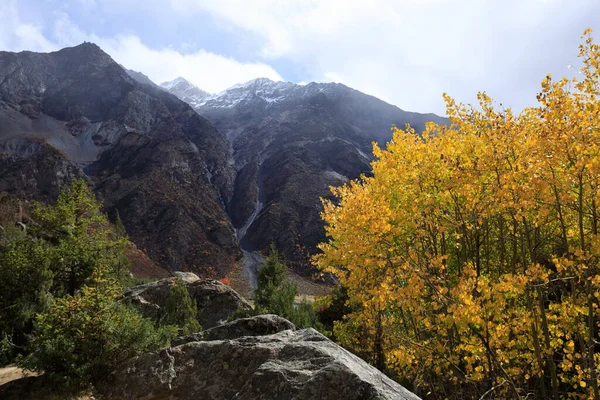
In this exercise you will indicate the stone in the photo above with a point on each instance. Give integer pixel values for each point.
(299, 365)
(215, 301)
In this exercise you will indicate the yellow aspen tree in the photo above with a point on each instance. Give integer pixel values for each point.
(471, 255)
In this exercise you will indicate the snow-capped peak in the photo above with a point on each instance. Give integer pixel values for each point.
(264, 88)
(175, 82)
(185, 91)
(255, 83)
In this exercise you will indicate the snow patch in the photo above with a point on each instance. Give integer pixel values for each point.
(269, 91)
(362, 153)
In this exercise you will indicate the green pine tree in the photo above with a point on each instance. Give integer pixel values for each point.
(81, 239)
(274, 294)
(181, 310)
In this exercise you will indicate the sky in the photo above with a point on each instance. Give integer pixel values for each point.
(406, 52)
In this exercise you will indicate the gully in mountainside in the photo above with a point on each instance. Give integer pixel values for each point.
(252, 260)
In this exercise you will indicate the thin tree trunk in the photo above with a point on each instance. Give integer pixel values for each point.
(591, 341)
(550, 355)
(536, 344)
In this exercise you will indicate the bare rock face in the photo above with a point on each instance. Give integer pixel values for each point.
(168, 205)
(40, 175)
(215, 301)
(291, 364)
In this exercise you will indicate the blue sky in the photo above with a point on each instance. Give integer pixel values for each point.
(406, 52)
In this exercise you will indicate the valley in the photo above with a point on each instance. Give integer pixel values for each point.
(272, 200)
(200, 181)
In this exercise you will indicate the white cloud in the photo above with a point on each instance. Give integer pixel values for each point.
(16, 35)
(409, 52)
(211, 72)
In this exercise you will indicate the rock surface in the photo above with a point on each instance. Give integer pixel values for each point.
(39, 175)
(259, 325)
(215, 301)
(298, 365)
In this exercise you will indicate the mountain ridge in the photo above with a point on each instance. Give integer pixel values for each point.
(185, 91)
(257, 156)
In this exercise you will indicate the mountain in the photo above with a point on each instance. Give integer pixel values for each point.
(194, 187)
(290, 144)
(138, 76)
(151, 158)
(186, 91)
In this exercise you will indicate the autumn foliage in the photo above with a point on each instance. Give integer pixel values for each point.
(226, 281)
(471, 255)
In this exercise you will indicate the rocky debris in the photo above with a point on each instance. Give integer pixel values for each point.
(297, 365)
(259, 325)
(215, 301)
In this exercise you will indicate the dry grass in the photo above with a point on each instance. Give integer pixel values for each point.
(307, 288)
(238, 281)
(11, 373)
(16, 383)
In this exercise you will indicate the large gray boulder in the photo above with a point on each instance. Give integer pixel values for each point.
(215, 301)
(298, 365)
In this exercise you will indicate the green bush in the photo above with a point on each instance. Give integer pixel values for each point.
(7, 350)
(83, 337)
(332, 308)
(304, 316)
(25, 279)
(181, 310)
(56, 253)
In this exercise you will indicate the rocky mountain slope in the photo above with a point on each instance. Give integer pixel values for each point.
(165, 169)
(290, 144)
(141, 78)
